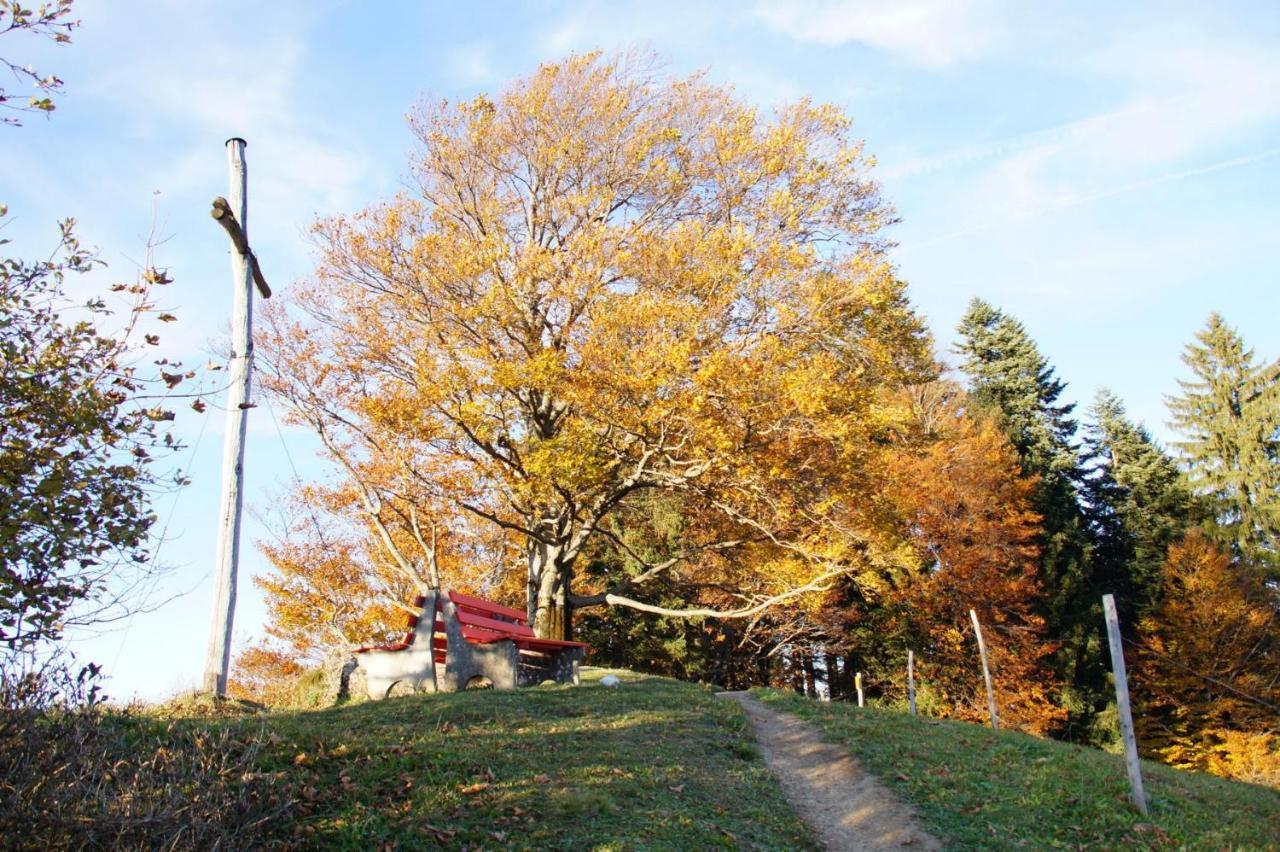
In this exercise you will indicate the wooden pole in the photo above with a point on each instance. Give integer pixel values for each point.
(911, 682)
(986, 670)
(218, 657)
(1136, 794)
(857, 680)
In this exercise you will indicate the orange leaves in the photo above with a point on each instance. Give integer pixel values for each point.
(968, 508)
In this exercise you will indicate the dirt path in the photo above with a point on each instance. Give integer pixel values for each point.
(846, 807)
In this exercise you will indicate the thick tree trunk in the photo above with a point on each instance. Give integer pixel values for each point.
(550, 572)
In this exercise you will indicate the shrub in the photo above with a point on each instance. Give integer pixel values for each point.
(76, 774)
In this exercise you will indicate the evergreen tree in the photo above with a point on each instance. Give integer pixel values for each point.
(1230, 415)
(1138, 505)
(1012, 380)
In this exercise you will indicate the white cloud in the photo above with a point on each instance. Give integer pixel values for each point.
(925, 32)
(1188, 107)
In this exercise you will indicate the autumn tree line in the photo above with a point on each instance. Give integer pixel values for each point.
(632, 355)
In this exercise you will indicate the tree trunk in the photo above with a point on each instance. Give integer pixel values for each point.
(835, 676)
(797, 671)
(550, 572)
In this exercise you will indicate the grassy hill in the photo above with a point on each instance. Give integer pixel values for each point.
(653, 764)
(977, 788)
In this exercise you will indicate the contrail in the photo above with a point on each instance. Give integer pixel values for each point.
(1076, 199)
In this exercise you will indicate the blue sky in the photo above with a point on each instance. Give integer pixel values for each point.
(1108, 173)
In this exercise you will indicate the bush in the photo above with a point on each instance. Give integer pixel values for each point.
(76, 774)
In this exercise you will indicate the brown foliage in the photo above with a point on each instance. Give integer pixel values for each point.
(967, 509)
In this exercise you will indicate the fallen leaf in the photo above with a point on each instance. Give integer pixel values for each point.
(301, 759)
(441, 835)
(678, 788)
(541, 779)
(472, 789)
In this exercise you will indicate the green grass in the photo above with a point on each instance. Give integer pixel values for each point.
(976, 788)
(654, 764)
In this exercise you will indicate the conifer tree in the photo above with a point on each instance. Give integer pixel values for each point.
(1014, 382)
(1138, 505)
(1230, 417)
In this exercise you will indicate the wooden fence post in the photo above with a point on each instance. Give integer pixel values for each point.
(986, 670)
(1136, 794)
(857, 679)
(911, 682)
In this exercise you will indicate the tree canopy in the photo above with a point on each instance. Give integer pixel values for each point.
(605, 282)
(84, 422)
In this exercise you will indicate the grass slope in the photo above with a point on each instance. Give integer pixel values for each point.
(653, 764)
(976, 788)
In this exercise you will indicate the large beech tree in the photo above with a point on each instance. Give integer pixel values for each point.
(606, 282)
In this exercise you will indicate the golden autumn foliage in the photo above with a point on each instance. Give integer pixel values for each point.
(605, 283)
(1207, 669)
(265, 674)
(971, 534)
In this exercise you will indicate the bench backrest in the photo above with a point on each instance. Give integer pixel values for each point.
(483, 615)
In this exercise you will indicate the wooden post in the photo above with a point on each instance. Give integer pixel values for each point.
(218, 657)
(986, 670)
(1136, 794)
(911, 682)
(857, 680)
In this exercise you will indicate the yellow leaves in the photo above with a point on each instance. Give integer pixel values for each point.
(607, 278)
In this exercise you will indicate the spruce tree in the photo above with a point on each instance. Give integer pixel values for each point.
(1013, 381)
(1230, 417)
(1137, 504)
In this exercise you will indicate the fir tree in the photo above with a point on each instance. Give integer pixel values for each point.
(1011, 380)
(1014, 382)
(1230, 416)
(1138, 505)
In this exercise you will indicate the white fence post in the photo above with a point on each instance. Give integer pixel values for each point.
(986, 670)
(1136, 794)
(911, 681)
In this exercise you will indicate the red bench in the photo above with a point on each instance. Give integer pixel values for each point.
(472, 638)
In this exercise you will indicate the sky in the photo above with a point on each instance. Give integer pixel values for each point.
(1107, 173)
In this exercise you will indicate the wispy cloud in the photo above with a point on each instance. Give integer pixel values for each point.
(1025, 201)
(927, 32)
